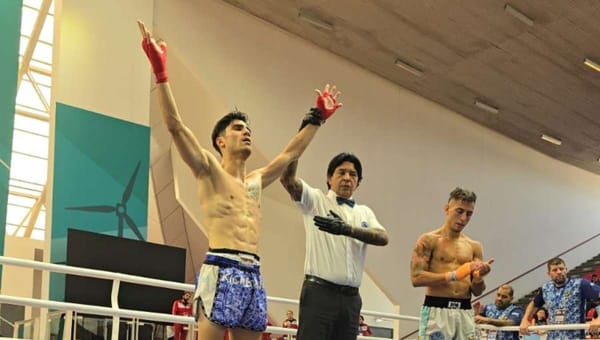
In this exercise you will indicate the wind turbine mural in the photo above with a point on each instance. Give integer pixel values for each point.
(120, 208)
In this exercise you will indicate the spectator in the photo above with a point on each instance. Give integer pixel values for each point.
(181, 307)
(501, 313)
(540, 317)
(592, 312)
(565, 298)
(363, 328)
(289, 322)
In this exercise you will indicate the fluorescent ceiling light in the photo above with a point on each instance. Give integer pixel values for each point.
(551, 139)
(314, 19)
(486, 107)
(408, 67)
(591, 64)
(519, 15)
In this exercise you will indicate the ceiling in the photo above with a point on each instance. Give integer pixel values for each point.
(472, 50)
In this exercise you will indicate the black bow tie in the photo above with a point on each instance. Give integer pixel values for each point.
(350, 202)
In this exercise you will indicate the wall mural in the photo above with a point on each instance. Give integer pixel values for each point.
(100, 180)
(120, 208)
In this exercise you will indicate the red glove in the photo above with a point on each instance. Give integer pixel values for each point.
(327, 104)
(157, 54)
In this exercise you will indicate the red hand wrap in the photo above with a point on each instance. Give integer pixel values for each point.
(157, 55)
(321, 101)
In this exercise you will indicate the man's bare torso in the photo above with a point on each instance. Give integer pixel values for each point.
(447, 255)
(230, 210)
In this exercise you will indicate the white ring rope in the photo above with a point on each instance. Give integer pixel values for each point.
(162, 317)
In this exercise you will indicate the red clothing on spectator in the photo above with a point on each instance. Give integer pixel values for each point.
(365, 329)
(266, 336)
(289, 323)
(590, 314)
(183, 309)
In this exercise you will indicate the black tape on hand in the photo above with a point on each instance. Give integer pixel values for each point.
(313, 117)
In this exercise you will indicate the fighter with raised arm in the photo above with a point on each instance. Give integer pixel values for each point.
(230, 292)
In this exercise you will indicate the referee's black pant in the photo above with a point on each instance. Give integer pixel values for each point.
(328, 311)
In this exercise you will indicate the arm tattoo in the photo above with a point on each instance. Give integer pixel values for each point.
(421, 256)
(290, 182)
(375, 237)
(477, 288)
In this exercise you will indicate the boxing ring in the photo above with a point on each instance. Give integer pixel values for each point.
(136, 317)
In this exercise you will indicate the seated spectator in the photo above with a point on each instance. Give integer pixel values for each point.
(289, 322)
(501, 313)
(363, 328)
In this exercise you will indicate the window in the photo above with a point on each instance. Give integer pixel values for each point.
(26, 213)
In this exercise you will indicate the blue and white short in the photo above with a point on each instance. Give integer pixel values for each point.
(230, 290)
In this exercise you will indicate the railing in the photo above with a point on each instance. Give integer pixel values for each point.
(135, 315)
(117, 313)
(493, 291)
(7, 322)
(573, 326)
(24, 323)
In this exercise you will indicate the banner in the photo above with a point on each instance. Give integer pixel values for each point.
(100, 180)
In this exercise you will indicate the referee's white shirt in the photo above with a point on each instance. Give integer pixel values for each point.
(336, 258)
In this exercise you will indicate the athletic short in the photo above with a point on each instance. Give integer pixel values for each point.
(230, 290)
(446, 318)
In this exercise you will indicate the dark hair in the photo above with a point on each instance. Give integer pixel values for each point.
(341, 158)
(223, 123)
(535, 317)
(555, 261)
(461, 194)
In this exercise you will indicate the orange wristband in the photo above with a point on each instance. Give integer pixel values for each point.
(460, 273)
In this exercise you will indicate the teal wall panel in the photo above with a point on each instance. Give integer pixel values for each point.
(100, 183)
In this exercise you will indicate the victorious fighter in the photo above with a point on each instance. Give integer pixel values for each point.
(230, 291)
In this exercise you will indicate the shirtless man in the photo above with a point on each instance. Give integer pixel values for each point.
(450, 265)
(230, 292)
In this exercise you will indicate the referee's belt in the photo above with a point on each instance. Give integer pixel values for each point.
(345, 290)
